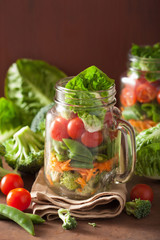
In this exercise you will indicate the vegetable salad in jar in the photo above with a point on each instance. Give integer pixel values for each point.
(82, 139)
(140, 88)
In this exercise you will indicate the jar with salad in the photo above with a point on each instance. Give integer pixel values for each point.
(83, 150)
(140, 87)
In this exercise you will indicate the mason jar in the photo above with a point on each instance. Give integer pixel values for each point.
(88, 146)
(140, 92)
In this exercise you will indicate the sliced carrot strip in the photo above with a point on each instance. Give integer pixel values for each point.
(81, 181)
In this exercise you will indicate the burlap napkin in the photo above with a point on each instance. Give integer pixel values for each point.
(102, 205)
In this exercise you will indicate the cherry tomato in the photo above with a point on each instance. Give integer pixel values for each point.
(146, 93)
(59, 129)
(75, 128)
(158, 97)
(92, 139)
(142, 191)
(128, 96)
(19, 198)
(11, 181)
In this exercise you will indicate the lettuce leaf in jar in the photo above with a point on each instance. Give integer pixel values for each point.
(90, 84)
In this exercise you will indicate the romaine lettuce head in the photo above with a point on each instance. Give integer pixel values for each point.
(148, 152)
(10, 119)
(30, 85)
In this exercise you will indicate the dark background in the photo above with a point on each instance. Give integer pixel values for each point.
(74, 34)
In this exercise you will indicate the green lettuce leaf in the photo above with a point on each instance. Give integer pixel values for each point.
(30, 85)
(10, 119)
(134, 112)
(86, 84)
(148, 152)
(146, 60)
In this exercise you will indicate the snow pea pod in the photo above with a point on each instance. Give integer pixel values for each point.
(78, 164)
(77, 148)
(36, 219)
(80, 158)
(17, 216)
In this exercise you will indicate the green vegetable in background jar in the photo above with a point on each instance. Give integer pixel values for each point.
(140, 87)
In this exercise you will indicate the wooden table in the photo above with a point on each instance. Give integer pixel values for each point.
(123, 227)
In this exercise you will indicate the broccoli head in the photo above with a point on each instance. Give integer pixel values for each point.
(139, 208)
(68, 221)
(25, 151)
(68, 179)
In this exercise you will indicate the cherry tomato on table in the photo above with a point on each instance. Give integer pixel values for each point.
(19, 198)
(146, 93)
(75, 128)
(58, 129)
(128, 96)
(11, 181)
(142, 191)
(93, 139)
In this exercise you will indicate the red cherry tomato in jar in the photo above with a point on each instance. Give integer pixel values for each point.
(58, 129)
(128, 96)
(19, 198)
(158, 97)
(142, 191)
(146, 93)
(75, 128)
(93, 139)
(11, 181)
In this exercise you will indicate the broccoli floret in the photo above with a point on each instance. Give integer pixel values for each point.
(25, 151)
(38, 122)
(68, 179)
(68, 221)
(139, 208)
(92, 224)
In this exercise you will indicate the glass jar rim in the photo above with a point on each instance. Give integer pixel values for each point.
(62, 92)
(111, 91)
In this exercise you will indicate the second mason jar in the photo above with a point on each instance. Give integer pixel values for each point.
(84, 153)
(140, 90)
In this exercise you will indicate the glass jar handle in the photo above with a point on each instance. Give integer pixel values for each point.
(126, 162)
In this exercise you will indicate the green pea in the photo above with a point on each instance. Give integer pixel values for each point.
(17, 216)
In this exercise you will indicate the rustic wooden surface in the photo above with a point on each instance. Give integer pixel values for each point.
(122, 227)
